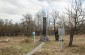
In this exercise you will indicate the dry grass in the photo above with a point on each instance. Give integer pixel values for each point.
(53, 48)
(16, 45)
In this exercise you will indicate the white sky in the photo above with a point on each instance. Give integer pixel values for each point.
(14, 9)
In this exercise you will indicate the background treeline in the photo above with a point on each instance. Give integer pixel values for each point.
(8, 28)
(30, 24)
(27, 25)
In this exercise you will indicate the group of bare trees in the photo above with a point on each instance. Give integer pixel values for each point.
(7, 28)
(26, 27)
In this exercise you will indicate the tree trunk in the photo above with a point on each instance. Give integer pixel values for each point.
(71, 37)
(56, 36)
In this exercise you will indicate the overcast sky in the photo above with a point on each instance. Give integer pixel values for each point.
(14, 9)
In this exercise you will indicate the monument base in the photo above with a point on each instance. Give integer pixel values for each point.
(44, 38)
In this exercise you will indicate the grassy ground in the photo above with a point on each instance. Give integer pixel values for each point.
(16, 45)
(53, 48)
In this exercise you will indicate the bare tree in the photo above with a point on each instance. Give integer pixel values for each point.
(39, 20)
(27, 22)
(55, 15)
(75, 14)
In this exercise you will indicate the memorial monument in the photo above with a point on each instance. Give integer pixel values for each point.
(44, 36)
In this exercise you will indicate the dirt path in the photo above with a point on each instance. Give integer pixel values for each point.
(36, 49)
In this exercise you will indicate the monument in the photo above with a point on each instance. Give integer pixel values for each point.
(44, 36)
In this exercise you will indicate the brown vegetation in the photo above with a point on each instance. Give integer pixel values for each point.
(16, 45)
(53, 48)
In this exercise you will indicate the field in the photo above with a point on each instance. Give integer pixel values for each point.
(53, 47)
(22, 45)
(16, 45)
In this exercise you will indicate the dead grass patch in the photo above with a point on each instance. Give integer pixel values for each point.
(10, 51)
(53, 47)
(17, 45)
